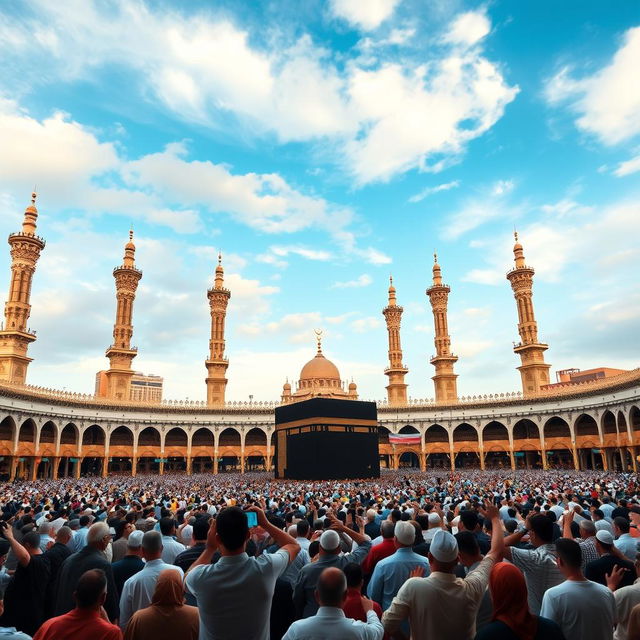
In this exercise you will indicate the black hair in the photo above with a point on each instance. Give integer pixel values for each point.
(570, 552)
(353, 572)
(542, 527)
(622, 523)
(167, 525)
(302, 528)
(469, 519)
(232, 527)
(200, 529)
(467, 543)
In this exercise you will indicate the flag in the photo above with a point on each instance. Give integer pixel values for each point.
(405, 438)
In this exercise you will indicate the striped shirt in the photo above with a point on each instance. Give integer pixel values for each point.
(540, 571)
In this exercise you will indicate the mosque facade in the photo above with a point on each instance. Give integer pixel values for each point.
(592, 422)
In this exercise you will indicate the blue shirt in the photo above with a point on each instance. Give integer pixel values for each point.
(392, 572)
(628, 546)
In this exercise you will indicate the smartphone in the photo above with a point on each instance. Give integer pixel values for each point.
(252, 519)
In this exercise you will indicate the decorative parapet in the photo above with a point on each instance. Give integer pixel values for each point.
(57, 396)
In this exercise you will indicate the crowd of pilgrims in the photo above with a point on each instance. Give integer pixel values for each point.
(495, 555)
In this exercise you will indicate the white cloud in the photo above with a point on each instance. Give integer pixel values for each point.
(304, 252)
(363, 325)
(468, 28)
(378, 120)
(607, 103)
(502, 187)
(628, 167)
(446, 186)
(367, 14)
(361, 281)
(373, 256)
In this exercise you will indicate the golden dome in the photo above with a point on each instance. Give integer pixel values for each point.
(130, 244)
(319, 368)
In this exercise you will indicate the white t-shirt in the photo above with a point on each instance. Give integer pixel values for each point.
(584, 610)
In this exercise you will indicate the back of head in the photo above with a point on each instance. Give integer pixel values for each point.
(167, 526)
(396, 515)
(152, 543)
(405, 533)
(64, 534)
(622, 523)
(302, 529)
(511, 526)
(97, 532)
(469, 519)
(31, 540)
(85, 520)
(467, 543)
(232, 528)
(371, 515)
(387, 529)
(569, 552)
(542, 527)
(353, 574)
(200, 529)
(331, 588)
(587, 528)
(91, 589)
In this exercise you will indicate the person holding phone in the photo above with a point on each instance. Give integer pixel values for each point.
(234, 594)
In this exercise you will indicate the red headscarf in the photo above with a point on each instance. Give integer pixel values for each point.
(509, 596)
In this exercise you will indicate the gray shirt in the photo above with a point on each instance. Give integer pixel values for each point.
(303, 594)
(234, 595)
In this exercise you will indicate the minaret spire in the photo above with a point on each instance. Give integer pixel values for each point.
(217, 363)
(121, 353)
(533, 370)
(15, 336)
(396, 371)
(445, 380)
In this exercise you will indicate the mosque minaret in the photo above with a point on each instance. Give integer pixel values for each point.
(396, 371)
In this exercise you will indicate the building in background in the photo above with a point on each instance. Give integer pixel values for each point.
(144, 388)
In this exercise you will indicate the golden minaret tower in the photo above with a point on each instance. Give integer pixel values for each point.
(15, 336)
(397, 388)
(217, 364)
(534, 370)
(121, 353)
(444, 381)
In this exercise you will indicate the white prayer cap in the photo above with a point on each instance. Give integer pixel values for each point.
(329, 540)
(434, 518)
(604, 536)
(603, 525)
(405, 532)
(444, 547)
(134, 541)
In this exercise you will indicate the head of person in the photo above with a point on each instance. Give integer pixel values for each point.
(167, 526)
(597, 515)
(31, 542)
(541, 530)
(329, 543)
(587, 529)
(302, 529)
(387, 529)
(604, 542)
(85, 520)
(468, 520)
(134, 543)
(99, 536)
(200, 531)
(169, 591)
(353, 574)
(232, 530)
(64, 535)
(443, 552)
(509, 595)
(45, 528)
(569, 556)
(371, 515)
(91, 590)
(314, 548)
(404, 534)
(634, 515)
(468, 548)
(435, 521)
(620, 526)
(511, 526)
(395, 515)
(152, 545)
(331, 590)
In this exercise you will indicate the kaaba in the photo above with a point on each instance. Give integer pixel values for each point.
(325, 438)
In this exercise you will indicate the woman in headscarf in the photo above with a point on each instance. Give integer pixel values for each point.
(512, 619)
(167, 617)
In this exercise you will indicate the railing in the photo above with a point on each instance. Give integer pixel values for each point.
(581, 388)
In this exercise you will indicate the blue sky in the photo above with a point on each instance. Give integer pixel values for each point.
(322, 146)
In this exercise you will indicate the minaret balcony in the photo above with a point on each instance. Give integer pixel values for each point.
(124, 267)
(401, 368)
(27, 236)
